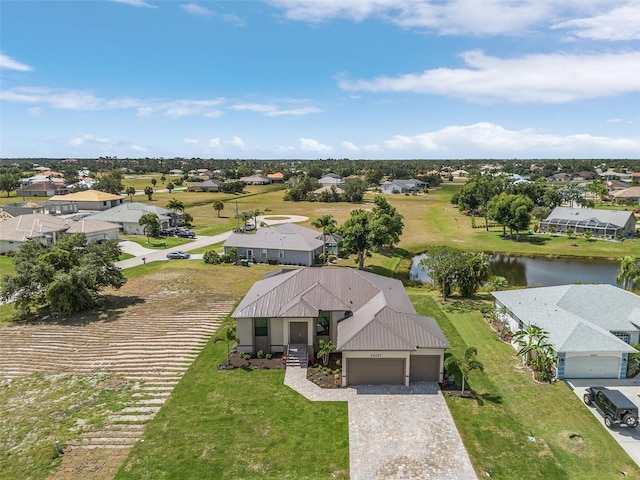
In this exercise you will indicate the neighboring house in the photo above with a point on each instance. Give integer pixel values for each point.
(331, 180)
(602, 223)
(285, 244)
(206, 186)
(48, 229)
(176, 171)
(369, 317)
(611, 174)
(128, 216)
(16, 209)
(460, 174)
(277, 177)
(255, 180)
(330, 189)
(614, 185)
(631, 195)
(587, 175)
(403, 186)
(42, 189)
(560, 177)
(91, 200)
(590, 327)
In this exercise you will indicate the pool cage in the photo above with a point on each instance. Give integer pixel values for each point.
(595, 226)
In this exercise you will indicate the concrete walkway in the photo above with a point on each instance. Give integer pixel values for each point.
(395, 432)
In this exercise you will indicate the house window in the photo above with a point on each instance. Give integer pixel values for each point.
(261, 327)
(281, 253)
(323, 324)
(622, 336)
(264, 253)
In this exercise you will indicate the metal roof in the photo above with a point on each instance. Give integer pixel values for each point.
(287, 236)
(579, 318)
(130, 212)
(383, 316)
(588, 217)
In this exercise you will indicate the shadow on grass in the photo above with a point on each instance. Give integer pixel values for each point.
(530, 239)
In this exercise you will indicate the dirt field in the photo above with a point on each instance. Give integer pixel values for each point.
(145, 341)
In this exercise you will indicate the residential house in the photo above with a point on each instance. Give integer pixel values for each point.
(128, 216)
(91, 199)
(48, 229)
(206, 186)
(403, 186)
(255, 180)
(560, 177)
(285, 244)
(331, 180)
(16, 209)
(42, 189)
(460, 174)
(277, 177)
(631, 195)
(591, 327)
(369, 317)
(611, 224)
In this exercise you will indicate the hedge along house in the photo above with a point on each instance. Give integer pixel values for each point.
(591, 327)
(610, 224)
(285, 244)
(369, 317)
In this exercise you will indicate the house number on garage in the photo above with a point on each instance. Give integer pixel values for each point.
(376, 355)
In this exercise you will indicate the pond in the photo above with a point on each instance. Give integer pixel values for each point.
(539, 271)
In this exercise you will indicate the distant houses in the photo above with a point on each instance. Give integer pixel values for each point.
(403, 186)
(42, 189)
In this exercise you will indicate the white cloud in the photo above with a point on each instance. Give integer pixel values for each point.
(618, 24)
(542, 78)
(274, 111)
(309, 145)
(136, 3)
(191, 141)
(195, 9)
(137, 148)
(237, 142)
(8, 63)
(88, 139)
(214, 142)
(351, 146)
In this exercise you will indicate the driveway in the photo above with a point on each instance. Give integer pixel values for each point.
(628, 438)
(395, 432)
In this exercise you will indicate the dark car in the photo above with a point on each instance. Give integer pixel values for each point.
(613, 406)
(178, 255)
(186, 234)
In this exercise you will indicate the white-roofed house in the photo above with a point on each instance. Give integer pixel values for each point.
(369, 317)
(128, 216)
(403, 186)
(591, 327)
(609, 224)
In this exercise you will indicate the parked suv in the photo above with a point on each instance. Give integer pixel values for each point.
(613, 405)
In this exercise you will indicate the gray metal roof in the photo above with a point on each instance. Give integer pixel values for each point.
(24, 227)
(287, 236)
(131, 212)
(383, 316)
(579, 318)
(618, 218)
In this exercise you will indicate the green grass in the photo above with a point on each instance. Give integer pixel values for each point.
(156, 243)
(510, 407)
(6, 265)
(40, 409)
(240, 425)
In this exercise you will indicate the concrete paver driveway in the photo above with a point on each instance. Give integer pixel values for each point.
(404, 432)
(628, 438)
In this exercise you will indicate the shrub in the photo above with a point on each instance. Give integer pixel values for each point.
(260, 354)
(268, 356)
(212, 257)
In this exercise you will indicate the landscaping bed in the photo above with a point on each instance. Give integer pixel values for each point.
(251, 362)
(329, 376)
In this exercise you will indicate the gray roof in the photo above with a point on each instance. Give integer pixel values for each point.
(25, 227)
(614, 217)
(411, 183)
(579, 318)
(286, 236)
(383, 316)
(131, 213)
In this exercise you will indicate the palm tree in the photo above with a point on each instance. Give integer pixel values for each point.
(534, 345)
(175, 205)
(496, 283)
(130, 191)
(229, 337)
(148, 191)
(324, 351)
(218, 206)
(465, 364)
(154, 182)
(151, 224)
(170, 186)
(163, 179)
(328, 225)
(628, 273)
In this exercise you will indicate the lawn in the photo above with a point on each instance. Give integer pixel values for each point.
(240, 424)
(510, 407)
(156, 243)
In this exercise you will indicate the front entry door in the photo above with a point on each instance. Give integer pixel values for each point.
(298, 333)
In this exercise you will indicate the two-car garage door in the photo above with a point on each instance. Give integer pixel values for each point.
(391, 371)
(595, 366)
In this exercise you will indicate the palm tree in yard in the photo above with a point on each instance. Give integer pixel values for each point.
(130, 191)
(534, 345)
(465, 364)
(175, 205)
(218, 205)
(148, 191)
(628, 273)
(229, 337)
(151, 224)
(328, 226)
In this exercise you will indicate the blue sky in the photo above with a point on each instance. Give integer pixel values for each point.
(359, 79)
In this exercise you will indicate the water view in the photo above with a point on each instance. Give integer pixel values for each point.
(539, 272)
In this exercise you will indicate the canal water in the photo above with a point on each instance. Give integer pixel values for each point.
(539, 272)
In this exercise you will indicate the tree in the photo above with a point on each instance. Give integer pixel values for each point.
(163, 179)
(148, 191)
(9, 182)
(151, 225)
(230, 337)
(496, 283)
(175, 205)
(218, 205)
(442, 263)
(170, 187)
(130, 191)
(324, 351)
(365, 232)
(465, 364)
(474, 270)
(154, 182)
(66, 279)
(628, 271)
(534, 345)
(328, 226)
(354, 189)
(187, 218)
(512, 211)
(110, 182)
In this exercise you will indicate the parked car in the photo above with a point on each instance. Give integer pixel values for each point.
(249, 227)
(186, 234)
(178, 255)
(168, 232)
(613, 406)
